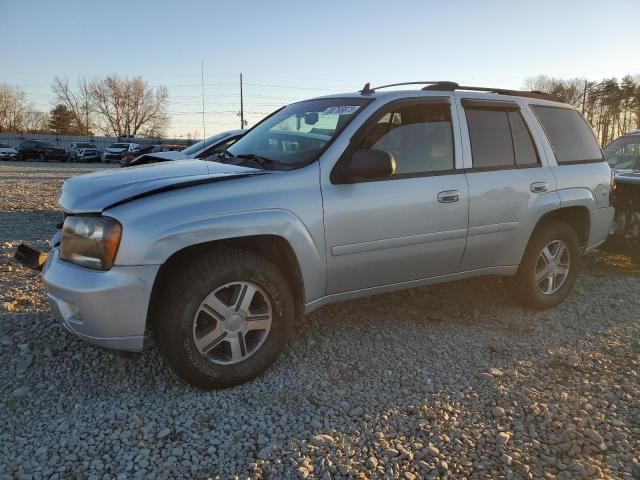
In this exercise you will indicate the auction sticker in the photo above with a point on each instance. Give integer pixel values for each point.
(341, 110)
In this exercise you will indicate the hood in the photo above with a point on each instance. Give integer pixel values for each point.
(115, 150)
(8, 150)
(97, 191)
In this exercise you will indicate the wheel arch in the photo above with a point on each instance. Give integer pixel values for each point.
(577, 217)
(274, 248)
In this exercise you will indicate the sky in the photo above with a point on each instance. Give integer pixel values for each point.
(291, 50)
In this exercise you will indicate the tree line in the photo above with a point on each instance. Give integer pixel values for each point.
(611, 106)
(109, 105)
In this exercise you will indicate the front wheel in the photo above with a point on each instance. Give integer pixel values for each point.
(223, 318)
(549, 267)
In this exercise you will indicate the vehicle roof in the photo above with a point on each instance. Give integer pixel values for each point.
(388, 95)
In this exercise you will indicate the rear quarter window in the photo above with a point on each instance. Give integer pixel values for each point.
(569, 133)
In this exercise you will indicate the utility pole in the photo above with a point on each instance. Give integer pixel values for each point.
(584, 96)
(241, 105)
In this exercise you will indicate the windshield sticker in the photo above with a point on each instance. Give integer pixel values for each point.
(341, 110)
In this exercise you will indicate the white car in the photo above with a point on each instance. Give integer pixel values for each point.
(115, 150)
(7, 152)
(202, 149)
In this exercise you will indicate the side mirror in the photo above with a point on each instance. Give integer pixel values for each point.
(369, 164)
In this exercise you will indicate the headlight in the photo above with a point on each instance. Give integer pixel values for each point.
(91, 242)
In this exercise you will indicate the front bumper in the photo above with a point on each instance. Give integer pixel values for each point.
(108, 309)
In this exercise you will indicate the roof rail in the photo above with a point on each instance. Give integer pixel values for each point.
(452, 86)
(367, 88)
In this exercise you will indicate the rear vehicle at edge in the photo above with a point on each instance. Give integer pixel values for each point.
(325, 200)
(623, 155)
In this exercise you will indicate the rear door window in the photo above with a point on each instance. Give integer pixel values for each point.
(526, 154)
(499, 136)
(490, 136)
(569, 133)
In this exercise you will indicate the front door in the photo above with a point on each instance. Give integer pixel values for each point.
(406, 227)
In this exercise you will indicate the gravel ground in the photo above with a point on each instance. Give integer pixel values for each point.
(444, 382)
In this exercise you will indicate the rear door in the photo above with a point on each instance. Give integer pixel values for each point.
(411, 225)
(510, 182)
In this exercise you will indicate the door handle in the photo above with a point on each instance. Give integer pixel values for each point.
(539, 187)
(449, 196)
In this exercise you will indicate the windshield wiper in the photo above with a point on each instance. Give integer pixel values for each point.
(264, 162)
(246, 158)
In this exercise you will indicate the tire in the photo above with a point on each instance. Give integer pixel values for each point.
(178, 318)
(548, 290)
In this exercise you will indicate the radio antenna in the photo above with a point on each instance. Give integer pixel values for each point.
(204, 131)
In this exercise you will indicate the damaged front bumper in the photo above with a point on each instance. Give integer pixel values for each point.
(106, 308)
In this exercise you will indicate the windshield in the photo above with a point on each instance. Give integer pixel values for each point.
(196, 147)
(624, 153)
(295, 136)
(47, 144)
(119, 145)
(85, 145)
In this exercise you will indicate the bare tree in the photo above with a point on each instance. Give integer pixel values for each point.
(35, 121)
(77, 101)
(129, 106)
(569, 91)
(13, 107)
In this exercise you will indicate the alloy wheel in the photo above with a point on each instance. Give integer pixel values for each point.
(552, 267)
(232, 323)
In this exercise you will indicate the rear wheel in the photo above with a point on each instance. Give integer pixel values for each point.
(549, 267)
(223, 318)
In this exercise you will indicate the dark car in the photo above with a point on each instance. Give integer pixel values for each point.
(623, 156)
(129, 156)
(41, 150)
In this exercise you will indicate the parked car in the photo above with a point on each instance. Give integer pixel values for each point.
(41, 150)
(623, 155)
(115, 150)
(129, 157)
(84, 152)
(7, 152)
(203, 149)
(328, 199)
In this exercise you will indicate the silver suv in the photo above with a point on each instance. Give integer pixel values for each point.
(325, 200)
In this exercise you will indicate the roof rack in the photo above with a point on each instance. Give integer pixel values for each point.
(451, 86)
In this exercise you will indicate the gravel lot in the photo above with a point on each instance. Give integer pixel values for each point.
(443, 382)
